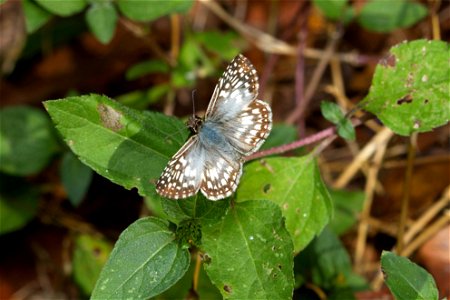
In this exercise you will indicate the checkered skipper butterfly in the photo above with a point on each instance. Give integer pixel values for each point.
(235, 125)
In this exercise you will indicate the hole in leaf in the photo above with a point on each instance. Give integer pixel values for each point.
(96, 251)
(227, 289)
(266, 188)
(407, 99)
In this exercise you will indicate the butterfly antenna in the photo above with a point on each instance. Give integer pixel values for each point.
(193, 103)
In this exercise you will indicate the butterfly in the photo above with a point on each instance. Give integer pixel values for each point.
(235, 125)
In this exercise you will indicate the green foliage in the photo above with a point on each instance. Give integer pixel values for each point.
(332, 112)
(376, 16)
(89, 257)
(63, 8)
(145, 261)
(149, 10)
(130, 140)
(147, 67)
(75, 177)
(347, 207)
(35, 15)
(281, 134)
(249, 252)
(296, 186)
(407, 280)
(18, 204)
(336, 10)
(102, 18)
(410, 87)
(326, 263)
(27, 140)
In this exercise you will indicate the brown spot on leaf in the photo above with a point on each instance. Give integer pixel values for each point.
(389, 61)
(405, 100)
(110, 117)
(426, 101)
(227, 289)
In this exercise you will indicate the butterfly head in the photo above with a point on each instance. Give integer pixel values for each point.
(194, 123)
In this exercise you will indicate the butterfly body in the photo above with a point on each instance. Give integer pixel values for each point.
(235, 125)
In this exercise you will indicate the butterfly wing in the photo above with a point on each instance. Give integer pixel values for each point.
(221, 175)
(182, 176)
(248, 131)
(236, 89)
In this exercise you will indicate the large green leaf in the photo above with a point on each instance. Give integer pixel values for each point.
(407, 280)
(149, 10)
(145, 262)
(248, 254)
(197, 207)
(411, 86)
(27, 140)
(376, 16)
(296, 186)
(127, 146)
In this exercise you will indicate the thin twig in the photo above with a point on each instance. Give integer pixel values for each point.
(378, 140)
(369, 191)
(317, 75)
(269, 44)
(406, 191)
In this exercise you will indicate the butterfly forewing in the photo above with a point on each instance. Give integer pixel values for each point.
(237, 87)
(183, 174)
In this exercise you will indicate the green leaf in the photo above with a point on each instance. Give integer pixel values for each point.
(280, 134)
(196, 207)
(18, 203)
(35, 16)
(75, 177)
(331, 111)
(221, 43)
(147, 67)
(400, 14)
(346, 130)
(326, 263)
(101, 18)
(336, 10)
(127, 146)
(296, 186)
(145, 261)
(89, 257)
(410, 88)
(406, 280)
(249, 253)
(27, 140)
(63, 8)
(347, 207)
(149, 10)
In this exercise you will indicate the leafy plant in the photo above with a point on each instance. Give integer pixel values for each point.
(247, 243)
